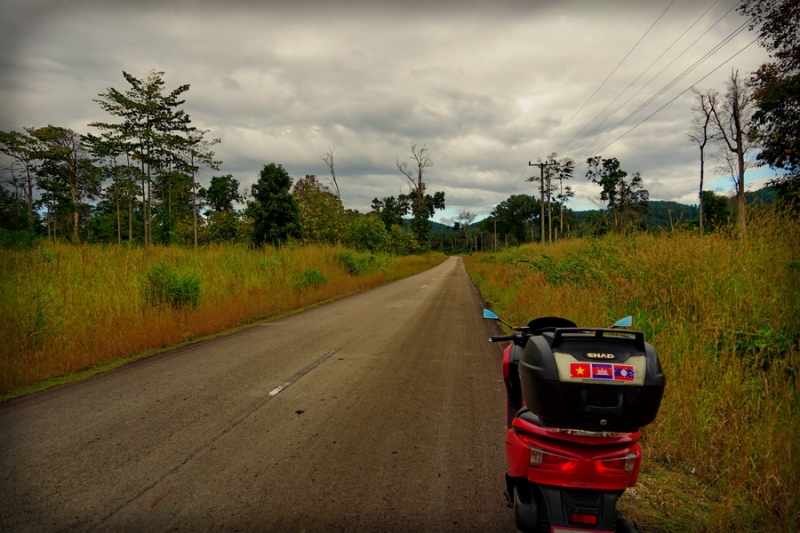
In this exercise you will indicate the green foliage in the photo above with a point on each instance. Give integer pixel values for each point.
(273, 210)
(321, 213)
(167, 287)
(716, 210)
(402, 242)
(221, 193)
(515, 217)
(627, 200)
(357, 265)
(311, 278)
(776, 88)
(17, 238)
(761, 346)
(391, 210)
(367, 233)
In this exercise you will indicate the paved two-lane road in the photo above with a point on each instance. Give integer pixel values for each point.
(383, 411)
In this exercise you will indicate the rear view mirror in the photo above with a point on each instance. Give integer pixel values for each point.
(623, 322)
(488, 314)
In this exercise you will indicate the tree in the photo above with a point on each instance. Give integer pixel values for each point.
(366, 232)
(732, 118)
(465, 219)
(152, 129)
(322, 217)
(66, 165)
(565, 193)
(776, 88)
(327, 157)
(515, 216)
(564, 169)
(717, 210)
(197, 154)
(273, 210)
(222, 221)
(106, 151)
(701, 135)
(627, 200)
(391, 210)
(422, 206)
(221, 193)
(23, 150)
(552, 170)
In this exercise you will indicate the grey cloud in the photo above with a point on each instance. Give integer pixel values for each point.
(486, 85)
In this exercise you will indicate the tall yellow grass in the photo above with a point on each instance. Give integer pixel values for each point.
(66, 308)
(724, 316)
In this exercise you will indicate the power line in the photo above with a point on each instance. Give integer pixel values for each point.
(566, 144)
(671, 84)
(681, 94)
(604, 81)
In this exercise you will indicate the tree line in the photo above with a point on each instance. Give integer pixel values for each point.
(134, 180)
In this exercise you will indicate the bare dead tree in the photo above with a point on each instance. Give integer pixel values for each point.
(327, 157)
(700, 134)
(420, 161)
(466, 218)
(732, 118)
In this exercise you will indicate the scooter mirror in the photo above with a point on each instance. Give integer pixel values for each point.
(623, 322)
(490, 315)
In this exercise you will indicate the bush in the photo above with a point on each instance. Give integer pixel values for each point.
(357, 266)
(17, 238)
(167, 287)
(311, 278)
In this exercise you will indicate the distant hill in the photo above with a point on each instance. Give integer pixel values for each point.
(659, 211)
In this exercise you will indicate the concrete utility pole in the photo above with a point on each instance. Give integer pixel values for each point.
(541, 180)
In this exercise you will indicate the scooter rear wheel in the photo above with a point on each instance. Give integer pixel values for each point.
(530, 513)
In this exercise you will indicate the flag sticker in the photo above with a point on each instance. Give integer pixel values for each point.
(580, 370)
(602, 371)
(623, 373)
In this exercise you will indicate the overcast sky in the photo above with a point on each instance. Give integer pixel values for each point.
(487, 86)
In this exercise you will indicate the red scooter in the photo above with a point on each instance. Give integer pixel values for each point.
(576, 398)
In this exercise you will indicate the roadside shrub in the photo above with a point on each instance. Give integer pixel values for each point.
(167, 287)
(311, 278)
(357, 266)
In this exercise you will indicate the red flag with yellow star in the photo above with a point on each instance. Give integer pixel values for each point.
(580, 370)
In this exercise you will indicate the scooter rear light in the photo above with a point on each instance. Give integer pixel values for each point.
(617, 465)
(546, 460)
(586, 519)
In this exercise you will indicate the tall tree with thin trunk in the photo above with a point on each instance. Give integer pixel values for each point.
(196, 155)
(701, 135)
(422, 205)
(65, 161)
(152, 126)
(732, 116)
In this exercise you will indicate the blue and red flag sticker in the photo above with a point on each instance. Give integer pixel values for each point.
(601, 371)
(623, 372)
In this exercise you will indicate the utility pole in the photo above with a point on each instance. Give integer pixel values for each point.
(541, 180)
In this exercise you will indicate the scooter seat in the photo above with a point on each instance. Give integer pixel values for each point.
(529, 416)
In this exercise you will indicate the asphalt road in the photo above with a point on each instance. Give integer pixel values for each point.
(383, 411)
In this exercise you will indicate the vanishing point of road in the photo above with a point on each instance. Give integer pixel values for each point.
(383, 411)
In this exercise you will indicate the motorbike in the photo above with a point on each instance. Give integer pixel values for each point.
(577, 398)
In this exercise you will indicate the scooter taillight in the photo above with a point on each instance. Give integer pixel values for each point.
(617, 465)
(587, 519)
(546, 460)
